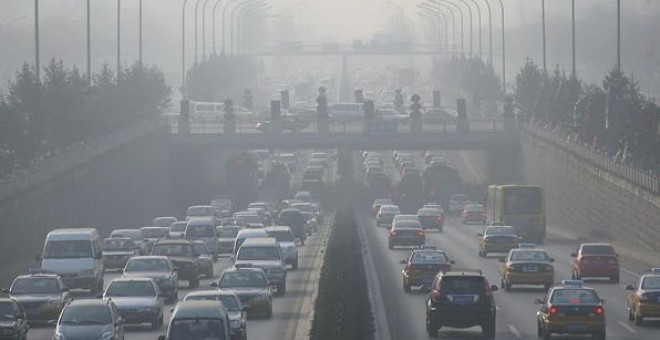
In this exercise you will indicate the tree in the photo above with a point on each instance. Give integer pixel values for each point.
(530, 81)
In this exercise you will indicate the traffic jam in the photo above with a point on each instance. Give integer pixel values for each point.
(509, 223)
(157, 270)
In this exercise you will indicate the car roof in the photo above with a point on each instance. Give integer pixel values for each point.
(596, 244)
(214, 292)
(174, 242)
(154, 228)
(117, 231)
(87, 302)
(252, 231)
(37, 276)
(199, 309)
(133, 279)
(463, 272)
(149, 257)
(260, 241)
(278, 228)
(72, 234)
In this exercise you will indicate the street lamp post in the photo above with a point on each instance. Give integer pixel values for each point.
(574, 72)
(451, 6)
(183, 49)
(480, 26)
(490, 33)
(232, 16)
(618, 35)
(545, 64)
(503, 50)
(206, 2)
(196, 16)
(118, 37)
(37, 62)
(432, 11)
(464, 2)
(89, 45)
(140, 32)
(215, 7)
(224, 21)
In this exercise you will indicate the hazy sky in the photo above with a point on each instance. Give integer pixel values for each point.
(63, 29)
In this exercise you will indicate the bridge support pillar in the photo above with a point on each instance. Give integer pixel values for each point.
(184, 117)
(229, 126)
(322, 126)
(344, 165)
(416, 125)
(462, 124)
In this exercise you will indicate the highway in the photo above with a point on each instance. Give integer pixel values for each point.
(403, 314)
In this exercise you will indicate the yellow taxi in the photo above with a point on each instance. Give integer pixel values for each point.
(571, 308)
(527, 266)
(422, 266)
(497, 239)
(645, 301)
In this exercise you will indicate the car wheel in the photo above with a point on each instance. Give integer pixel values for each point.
(546, 334)
(539, 330)
(488, 330)
(631, 317)
(431, 328)
(406, 287)
(639, 320)
(294, 265)
(281, 289)
(193, 283)
(602, 335)
(615, 279)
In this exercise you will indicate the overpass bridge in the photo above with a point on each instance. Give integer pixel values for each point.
(297, 49)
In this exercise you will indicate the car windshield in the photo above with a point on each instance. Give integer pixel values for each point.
(132, 234)
(574, 296)
(35, 286)
(389, 209)
(201, 249)
(529, 255)
(598, 249)
(154, 232)
(172, 250)
(247, 219)
(68, 249)
(651, 282)
(462, 285)
(200, 231)
(281, 235)
(230, 302)
(178, 227)
(258, 253)
(118, 244)
(243, 280)
(7, 311)
(474, 208)
(227, 232)
(199, 211)
(305, 208)
(86, 315)
(500, 231)
(163, 221)
(131, 289)
(197, 328)
(428, 212)
(147, 265)
(407, 224)
(432, 257)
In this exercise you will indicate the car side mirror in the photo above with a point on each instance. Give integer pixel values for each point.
(539, 301)
(552, 260)
(120, 321)
(214, 284)
(573, 254)
(480, 234)
(5, 290)
(493, 288)
(403, 262)
(501, 260)
(630, 287)
(603, 301)
(232, 258)
(452, 262)
(37, 257)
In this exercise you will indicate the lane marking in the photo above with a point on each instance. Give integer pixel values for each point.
(497, 307)
(514, 331)
(626, 326)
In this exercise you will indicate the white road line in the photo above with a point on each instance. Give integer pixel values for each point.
(497, 307)
(626, 326)
(515, 331)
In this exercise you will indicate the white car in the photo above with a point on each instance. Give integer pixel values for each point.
(288, 244)
(138, 300)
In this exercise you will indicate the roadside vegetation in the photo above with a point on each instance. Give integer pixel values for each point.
(210, 78)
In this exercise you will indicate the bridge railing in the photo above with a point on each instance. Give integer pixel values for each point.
(341, 127)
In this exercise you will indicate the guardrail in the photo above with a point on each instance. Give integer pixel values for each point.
(72, 158)
(627, 172)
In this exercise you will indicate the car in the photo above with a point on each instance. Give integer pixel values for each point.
(474, 213)
(571, 308)
(288, 244)
(199, 211)
(183, 256)
(135, 235)
(117, 251)
(304, 196)
(461, 298)
(643, 301)
(429, 155)
(346, 112)
(222, 206)
(226, 238)
(267, 207)
(457, 203)
(386, 214)
(244, 234)
(235, 311)
(245, 218)
(595, 260)
(405, 217)
(525, 266)
(252, 287)
(497, 239)
(41, 296)
(198, 320)
(137, 299)
(310, 212)
(375, 208)
(164, 221)
(431, 218)
(422, 266)
(204, 258)
(264, 253)
(204, 229)
(406, 233)
(14, 323)
(177, 230)
(262, 213)
(154, 234)
(320, 156)
(295, 220)
(158, 268)
(90, 319)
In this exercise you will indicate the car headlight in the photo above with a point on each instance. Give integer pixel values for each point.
(235, 323)
(87, 272)
(59, 336)
(106, 336)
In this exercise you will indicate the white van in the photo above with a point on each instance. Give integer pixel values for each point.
(244, 234)
(203, 229)
(76, 255)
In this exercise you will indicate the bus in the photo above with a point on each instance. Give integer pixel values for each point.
(519, 206)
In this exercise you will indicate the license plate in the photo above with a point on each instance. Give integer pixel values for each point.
(576, 327)
(463, 300)
(530, 269)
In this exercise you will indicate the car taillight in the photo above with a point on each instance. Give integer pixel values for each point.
(643, 298)
(435, 296)
(599, 311)
(421, 233)
(392, 233)
(439, 219)
(612, 261)
(553, 311)
(509, 268)
(548, 268)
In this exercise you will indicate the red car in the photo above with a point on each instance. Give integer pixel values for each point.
(595, 260)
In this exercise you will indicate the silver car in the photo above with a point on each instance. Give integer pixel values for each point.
(138, 300)
(158, 268)
(288, 244)
(235, 310)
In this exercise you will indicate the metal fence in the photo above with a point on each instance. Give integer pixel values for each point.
(647, 181)
(72, 158)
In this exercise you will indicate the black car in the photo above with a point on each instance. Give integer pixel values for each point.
(295, 220)
(461, 298)
(90, 319)
(183, 256)
(431, 218)
(13, 321)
